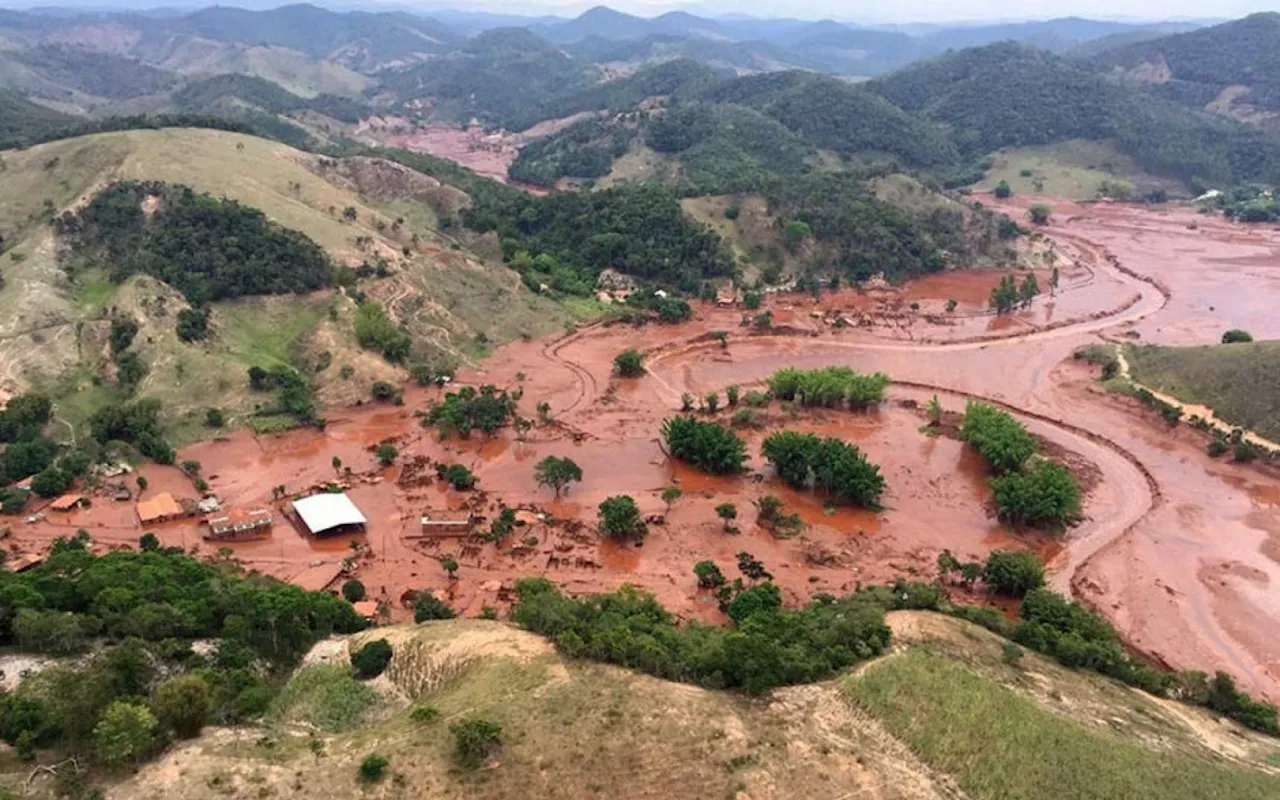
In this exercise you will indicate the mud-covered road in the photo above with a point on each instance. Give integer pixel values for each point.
(1181, 552)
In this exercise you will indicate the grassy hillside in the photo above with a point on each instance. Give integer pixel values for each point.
(1240, 382)
(1073, 169)
(571, 728)
(52, 328)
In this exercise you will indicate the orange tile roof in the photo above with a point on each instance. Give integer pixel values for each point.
(162, 506)
(317, 578)
(67, 502)
(366, 608)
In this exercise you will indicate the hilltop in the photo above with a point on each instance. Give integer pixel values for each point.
(574, 728)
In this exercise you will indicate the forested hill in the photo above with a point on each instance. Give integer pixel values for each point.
(1009, 95)
(1194, 68)
(21, 119)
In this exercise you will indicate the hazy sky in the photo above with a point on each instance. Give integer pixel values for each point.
(899, 11)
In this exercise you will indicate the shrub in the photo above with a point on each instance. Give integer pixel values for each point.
(1042, 494)
(763, 597)
(1242, 452)
(183, 703)
(620, 518)
(1002, 190)
(382, 390)
(727, 512)
(373, 768)
(1040, 213)
(1236, 336)
(370, 661)
(709, 446)
(424, 714)
(125, 733)
(457, 476)
(214, 418)
(751, 299)
(1013, 572)
(475, 740)
(629, 364)
(427, 606)
(353, 591)
(387, 454)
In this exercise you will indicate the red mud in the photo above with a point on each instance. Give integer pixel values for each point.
(1181, 552)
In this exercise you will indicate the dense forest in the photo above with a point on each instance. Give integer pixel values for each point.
(23, 122)
(208, 93)
(207, 248)
(97, 73)
(584, 150)
(639, 229)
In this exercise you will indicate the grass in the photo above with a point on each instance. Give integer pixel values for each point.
(1000, 745)
(263, 332)
(325, 696)
(1240, 382)
(93, 291)
(1070, 170)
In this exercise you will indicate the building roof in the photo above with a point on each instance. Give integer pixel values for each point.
(443, 516)
(240, 518)
(366, 608)
(322, 512)
(26, 562)
(162, 506)
(67, 502)
(317, 578)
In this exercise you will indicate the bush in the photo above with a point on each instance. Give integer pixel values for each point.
(1000, 438)
(382, 390)
(620, 518)
(764, 597)
(709, 575)
(709, 446)
(1002, 190)
(353, 591)
(457, 476)
(193, 324)
(183, 704)
(1040, 213)
(373, 768)
(125, 733)
(214, 418)
(830, 465)
(424, 714)
(629, 364)
(1235, 336)
(370, 661)
(387, 454)
(1044, 494)
(1013, 572)
(427, 606)
(475, 740)
(460, 412)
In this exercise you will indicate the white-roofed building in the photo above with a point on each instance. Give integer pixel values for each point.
(328, 513)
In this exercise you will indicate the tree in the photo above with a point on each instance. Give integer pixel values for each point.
(760, 598)
(183, 703)
(381, 390)
(142, 483)
(557, 472)
(709, 575)
(148, 543)
(450, 565)
(1000, 438)
(125, 732)
(1028, 290)
(830, 465)
(457, 476)
(427, 606)
(371, 659)
(713, 402)
(727, 512)
(752, 568)
(629, 364)
(337, 465)
(50, 481)
(1053, 281)
(731, 396)
(1235, 336)
(670, 495)
(193, 324)
(794, 235)
(934, 410)
(1005, 296)
(387, 454)
(475, 740)
(620, 518)
(1013, 572)
(1002, 190)
(709, 446)
(353, 591)
(751, 299)
(1044, 494)
(214, 418)
(1039, 213)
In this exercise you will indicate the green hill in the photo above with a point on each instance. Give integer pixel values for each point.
(1240, 382)
(21, 119)
(1007, 95)
(53, 329)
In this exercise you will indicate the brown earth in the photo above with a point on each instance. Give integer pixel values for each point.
(1178, 550)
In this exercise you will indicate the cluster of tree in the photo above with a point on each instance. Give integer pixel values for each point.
(139, 613)
(457, 476)
(829, 387)
(856, 234)
(638, 229)
(27, 452)
(1008, 572)
(97, 73)
(1009, 294)
(585, 150)
(767, 646)
(629, 363)
(486, 410)
(668, 310)
(709, 446)
(620, 518)
(838, 469)
(376, 331)
(136, 423)
(1028, 490)
(193, 324)
(293, 393)
(1249, 204)
(208, 249)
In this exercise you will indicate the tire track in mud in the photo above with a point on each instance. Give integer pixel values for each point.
(582, 376)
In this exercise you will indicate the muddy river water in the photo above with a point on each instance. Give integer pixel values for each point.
(1180, 552)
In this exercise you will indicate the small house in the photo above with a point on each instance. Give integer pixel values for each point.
(160, 508)
(69, 502)
(237, 525)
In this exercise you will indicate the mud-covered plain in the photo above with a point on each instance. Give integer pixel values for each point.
(1180, 552)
